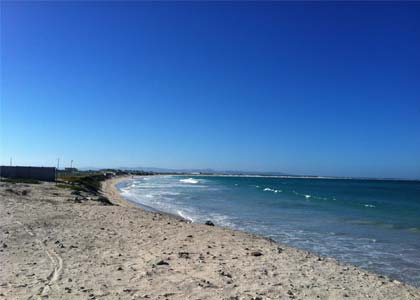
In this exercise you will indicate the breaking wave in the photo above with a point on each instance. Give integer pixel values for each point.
(189, 180)
(272, 190)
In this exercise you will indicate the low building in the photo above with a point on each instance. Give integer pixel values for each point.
(109, 174)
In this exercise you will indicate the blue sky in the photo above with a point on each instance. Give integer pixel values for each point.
(304, 88)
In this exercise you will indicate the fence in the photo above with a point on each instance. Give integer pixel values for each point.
(38, 173)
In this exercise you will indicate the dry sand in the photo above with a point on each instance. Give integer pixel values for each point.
(53, 247)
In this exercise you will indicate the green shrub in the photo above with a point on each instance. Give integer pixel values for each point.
(20, 180)
(70, 187)
(90, 183)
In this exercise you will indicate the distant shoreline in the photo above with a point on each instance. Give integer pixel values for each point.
(239, 174)
(289, 177)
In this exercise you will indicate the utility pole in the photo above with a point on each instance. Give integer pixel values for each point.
(10, 161)
(71, 164)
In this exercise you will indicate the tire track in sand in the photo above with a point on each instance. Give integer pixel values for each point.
(55, 259)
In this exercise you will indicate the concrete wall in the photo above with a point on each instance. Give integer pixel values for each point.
(39, 173)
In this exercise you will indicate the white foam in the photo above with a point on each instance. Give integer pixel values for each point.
(189, 180)
(272, 190)
(370, 205)
(167, 193)
(299, 194)
(221, 220)
(184, 216)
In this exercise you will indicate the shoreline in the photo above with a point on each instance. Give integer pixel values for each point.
(111, 190)
(58, 244)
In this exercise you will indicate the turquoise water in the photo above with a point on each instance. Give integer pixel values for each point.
(370, 223)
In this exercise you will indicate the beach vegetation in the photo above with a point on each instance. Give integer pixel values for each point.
(70, 187)
(90, 184)
(20, 180)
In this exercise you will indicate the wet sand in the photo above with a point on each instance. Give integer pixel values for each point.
(56, 245)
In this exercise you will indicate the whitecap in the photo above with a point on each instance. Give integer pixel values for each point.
(370, 205)
(189, 180)
(307, 196)
(272, 190)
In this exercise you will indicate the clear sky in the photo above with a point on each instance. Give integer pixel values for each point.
(304, 88)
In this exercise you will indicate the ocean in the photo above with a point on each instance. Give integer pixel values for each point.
(373, 224)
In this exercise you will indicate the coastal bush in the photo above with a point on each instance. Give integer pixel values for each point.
(18, 180)
(71, 187)
(91, 184)
(104, 200)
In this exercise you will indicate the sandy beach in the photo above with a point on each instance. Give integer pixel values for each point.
(56, 245)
